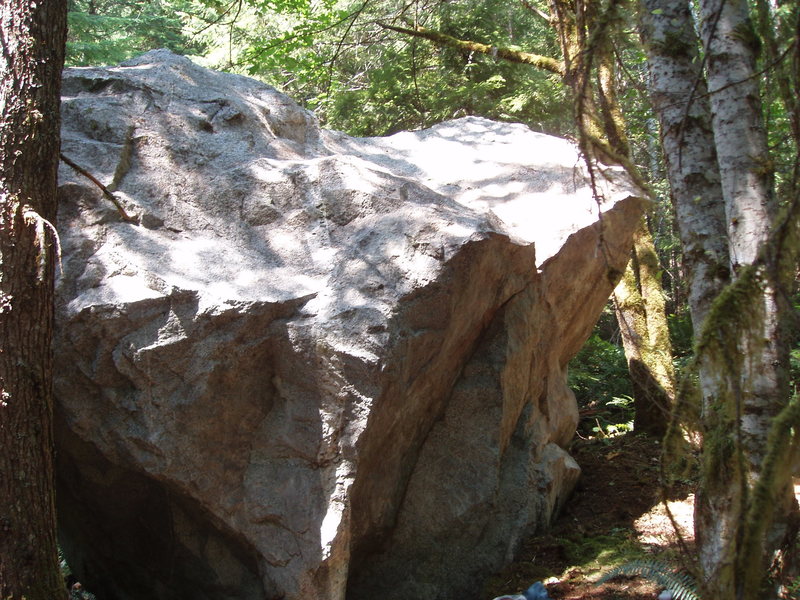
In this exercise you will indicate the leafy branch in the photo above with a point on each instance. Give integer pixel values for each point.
(681, 585)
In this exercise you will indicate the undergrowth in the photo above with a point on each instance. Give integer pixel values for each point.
(681, 585)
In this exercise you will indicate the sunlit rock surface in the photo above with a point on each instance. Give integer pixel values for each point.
(317, 367)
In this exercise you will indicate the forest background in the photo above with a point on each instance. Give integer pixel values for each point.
(698, 101)
(343, 61)
(629, 83)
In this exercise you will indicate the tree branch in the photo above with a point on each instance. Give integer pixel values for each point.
(441, 39)
(106, 192)
(538, 12)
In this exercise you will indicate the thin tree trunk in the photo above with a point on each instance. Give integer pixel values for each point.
(678, 94)
(585, 36)
(33, 38)
(639, 306)
(745, 169)
(746, 174)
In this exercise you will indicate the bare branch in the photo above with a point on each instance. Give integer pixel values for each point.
(537, 11)
(106, 192)
(441, 39)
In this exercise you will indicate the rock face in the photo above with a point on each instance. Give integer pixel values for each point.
(317, 367)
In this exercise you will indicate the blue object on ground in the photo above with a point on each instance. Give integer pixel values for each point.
(536, 592)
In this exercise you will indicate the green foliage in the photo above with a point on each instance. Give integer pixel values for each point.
(335, 58)
(610, 425)
(109, 31)
(794, 352)
(598, 552)
(777, 23)
(682, 586)
(794, 364)
(682, 337)
(598, 375)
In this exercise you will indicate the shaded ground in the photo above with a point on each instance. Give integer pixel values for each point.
(614, 517)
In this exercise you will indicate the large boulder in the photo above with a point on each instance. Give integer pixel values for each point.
(315, 367)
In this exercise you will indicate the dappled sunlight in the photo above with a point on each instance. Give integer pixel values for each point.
(534, 183)
(293, 300)
(656, 529)
(117, 288)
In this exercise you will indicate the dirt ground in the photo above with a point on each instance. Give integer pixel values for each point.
(615, 516)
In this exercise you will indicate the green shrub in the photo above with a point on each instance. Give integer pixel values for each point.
(598, 376)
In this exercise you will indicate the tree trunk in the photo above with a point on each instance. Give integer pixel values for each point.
(33, 38)
(585, 31)
(678, 93)
(724, 212)
(677, 90)
(639, 306)
(760, 390)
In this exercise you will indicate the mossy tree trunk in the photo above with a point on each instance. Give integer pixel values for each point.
(737, 257)
(754, 391)
(640, 310)
(585, 31)
(33, 39)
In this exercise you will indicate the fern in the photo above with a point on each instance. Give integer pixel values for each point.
(681, 585)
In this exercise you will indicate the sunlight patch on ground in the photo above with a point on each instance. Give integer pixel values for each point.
(655, 529)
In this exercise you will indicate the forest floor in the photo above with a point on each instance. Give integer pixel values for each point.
(615, 516)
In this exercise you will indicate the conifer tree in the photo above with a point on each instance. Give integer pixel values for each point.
(33, 35)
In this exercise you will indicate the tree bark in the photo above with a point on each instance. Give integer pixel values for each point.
(677, 90)
(721, 181)
(760, 390)
(33, 36)
(585, 35)
(639, 306)
(678, 93)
